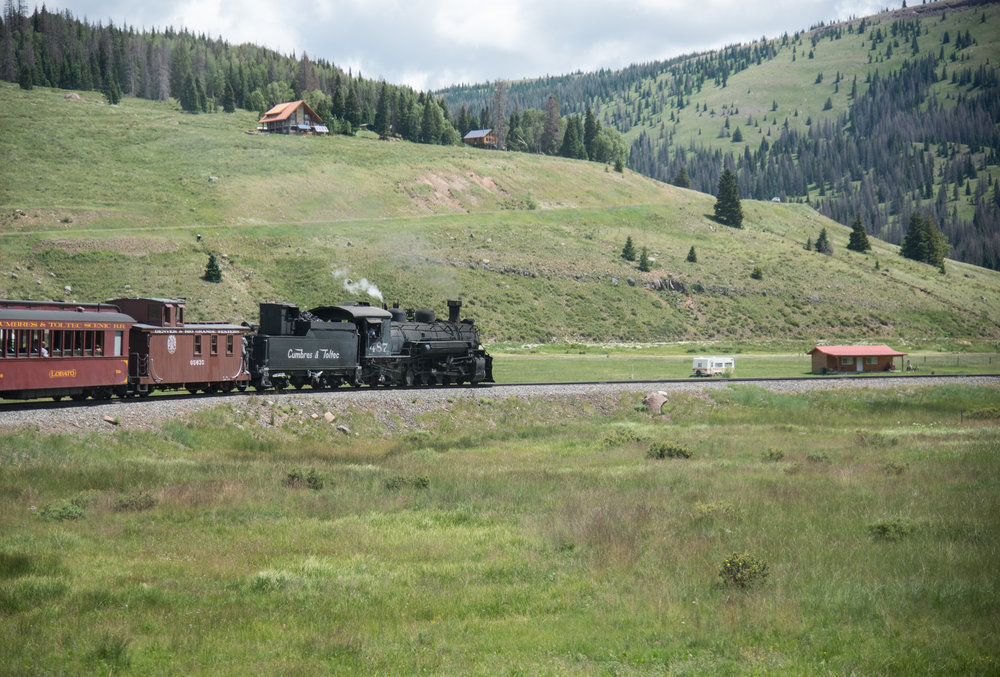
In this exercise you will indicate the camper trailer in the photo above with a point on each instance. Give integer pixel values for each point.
(713, 366)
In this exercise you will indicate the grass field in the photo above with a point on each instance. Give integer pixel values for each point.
(513, 537)
(619, 365)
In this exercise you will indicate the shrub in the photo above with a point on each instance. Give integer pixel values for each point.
(399, 482)
(296, 479)
(869, 438)
(743, 570)
(661, 450)
(136, 502)
(984, 413)
(60, 511)
(757, 273)
(892, 529)
(620, 437)
(772, 455)
(893, 468)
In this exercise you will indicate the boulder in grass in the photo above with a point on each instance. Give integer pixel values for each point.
(654, 401)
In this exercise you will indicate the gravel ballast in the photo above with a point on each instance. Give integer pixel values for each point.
(399, 403)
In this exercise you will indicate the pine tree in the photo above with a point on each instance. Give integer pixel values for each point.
(728, 210)
(924, 242)
(859, 238)
(681, 179)
(382, 122)
(692, 257)
(591, 130)
(572, 143)
(644, 264)
(823, 245)
(24, 79)
(212, 271)
(628, 251)
(229, 99)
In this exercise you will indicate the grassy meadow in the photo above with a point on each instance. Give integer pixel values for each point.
(562, 363)
(503, 536)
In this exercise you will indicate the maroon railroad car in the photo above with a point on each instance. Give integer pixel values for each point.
(167, 353)
(51, 349)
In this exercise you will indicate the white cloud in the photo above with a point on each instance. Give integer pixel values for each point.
(429, 44)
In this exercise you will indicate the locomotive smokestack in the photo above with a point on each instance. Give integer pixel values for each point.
(453, 310)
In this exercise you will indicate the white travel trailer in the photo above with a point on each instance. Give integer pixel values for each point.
(713, 366)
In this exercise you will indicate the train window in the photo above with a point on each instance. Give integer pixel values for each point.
(153, 313)
(78, 343)
(99, 343)
(229, 345)
(180, 315)
(88, 346)
(118, 343)
(56, 344)
(5, 343)
(167, 316)
(197, 344)
(215, 344)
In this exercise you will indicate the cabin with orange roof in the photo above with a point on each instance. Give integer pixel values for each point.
(292, 117)
(854, 359)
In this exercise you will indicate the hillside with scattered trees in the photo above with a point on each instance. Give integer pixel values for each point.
(880, 117)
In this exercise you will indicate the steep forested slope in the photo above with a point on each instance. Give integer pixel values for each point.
(880, 116)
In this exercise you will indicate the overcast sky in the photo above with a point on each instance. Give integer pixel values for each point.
(429, 44)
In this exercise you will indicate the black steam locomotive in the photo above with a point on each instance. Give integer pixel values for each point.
(130, 347)
(329, 346)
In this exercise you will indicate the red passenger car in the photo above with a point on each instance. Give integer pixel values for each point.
(52, 349)
(167, 353)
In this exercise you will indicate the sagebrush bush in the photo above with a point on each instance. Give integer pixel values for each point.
(399, 482)
(743, 570)
(297, 479)
(136, 502)
(984, 413)
(59, 511)
(619, 437)
(772, 454)
(661, 450)
(891, 529)
(869, 438)
(893, 468)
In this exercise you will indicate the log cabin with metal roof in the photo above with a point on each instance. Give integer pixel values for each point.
(854, 359)
(292, 117)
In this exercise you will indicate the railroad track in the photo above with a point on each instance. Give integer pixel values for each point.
(855, 379)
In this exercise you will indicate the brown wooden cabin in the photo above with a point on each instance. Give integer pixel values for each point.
(481, 138)
(854, 359)
(292, 117)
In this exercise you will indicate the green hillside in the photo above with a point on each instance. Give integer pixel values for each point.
(98, 201)
(880, 116)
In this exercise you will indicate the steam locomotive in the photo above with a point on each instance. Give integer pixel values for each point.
(134, 346)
